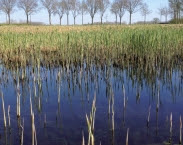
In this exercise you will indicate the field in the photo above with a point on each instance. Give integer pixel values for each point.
(57, 44)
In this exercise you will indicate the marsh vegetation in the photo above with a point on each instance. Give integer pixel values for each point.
(91, 85)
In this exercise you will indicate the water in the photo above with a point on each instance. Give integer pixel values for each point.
(75, 89)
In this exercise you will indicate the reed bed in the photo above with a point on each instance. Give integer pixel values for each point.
(60, 45)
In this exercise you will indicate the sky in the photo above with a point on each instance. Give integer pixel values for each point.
(42, 16)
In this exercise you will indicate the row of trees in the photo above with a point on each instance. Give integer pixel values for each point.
(175, 9)
(77, 7)
(8, 7)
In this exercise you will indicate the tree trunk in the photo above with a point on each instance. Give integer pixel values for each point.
(145, 19)
(74, 20)
(67, 19)
(50, 18)
(101, 19)
(82, 19)
(179, 14)
(60, 20)
(6, 18)
(130, 18)
(160, 17)
(9, 21)
(166, 18)
(116, 19)
(30, 19)
(174, 15)
(92, 19)
(27, 18)
(120, 20)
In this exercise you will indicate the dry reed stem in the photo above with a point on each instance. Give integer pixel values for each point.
(127, 136)
(171, 123)
(90, 122)
(124, 97)
(35, 136)
(83, 139)
(33, 129)
(9, 123)
(58, 81)
(112, 112)
(22, 134)
(148, 118)
(157, 106)
(45, 120)
(30, 105)
(180, 139)
(18, 104)
(4, 114)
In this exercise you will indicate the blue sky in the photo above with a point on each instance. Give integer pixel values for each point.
(42, 15)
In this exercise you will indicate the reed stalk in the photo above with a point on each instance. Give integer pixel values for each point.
(4, 114)
(34, 84)
(157, 106)
(83, 138)
(22, 132)
(58, 82)
(30, 104)
(148, 117)
(124, 101)
(18, 98)
(18, 104)
(39, 104)
(112, 112)
(33, 129)
(45, 120)
(127, 136)
(171, 123)
(35, 135)
(170, 140)
(9, 123)
(180, 138)
(90, 122)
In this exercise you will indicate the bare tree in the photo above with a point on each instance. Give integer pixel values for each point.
(83, 8)
(133, 6)
(176, 7)
(67, 6)
(92, 7)
(121, 7)
(114, 10)
(49, 5)
(103, 5)
(160, 12)
(29, 7)
(75, 9)
(7, 6)
(166, 12)
(59, 9)
(145, 11)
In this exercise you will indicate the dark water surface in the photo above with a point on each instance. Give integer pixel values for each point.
(65, 120)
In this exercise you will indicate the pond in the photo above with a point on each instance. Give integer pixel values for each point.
(62, 95)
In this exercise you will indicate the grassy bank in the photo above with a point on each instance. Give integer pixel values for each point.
(23, 45)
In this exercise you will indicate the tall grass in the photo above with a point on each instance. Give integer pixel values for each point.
(99, 43)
